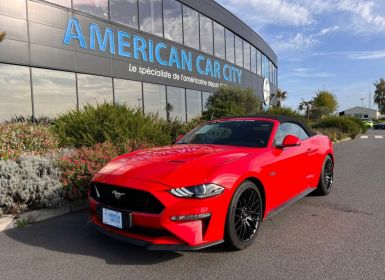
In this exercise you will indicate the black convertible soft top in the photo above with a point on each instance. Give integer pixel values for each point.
(281, 119)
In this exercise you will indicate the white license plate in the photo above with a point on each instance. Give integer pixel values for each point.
(112, 218)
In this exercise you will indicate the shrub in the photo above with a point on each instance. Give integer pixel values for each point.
(81, 165)
(114, 123)
(287, 111)
(231, 101)
(345, 125)
(20, 138)
(333, 133)
(363, 127)
(29, 183)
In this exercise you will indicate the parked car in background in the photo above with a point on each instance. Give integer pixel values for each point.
(368, 123)
(379, 125)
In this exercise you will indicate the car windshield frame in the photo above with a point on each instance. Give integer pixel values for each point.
(232, 133)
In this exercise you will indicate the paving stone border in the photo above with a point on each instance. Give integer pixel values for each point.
(9, 221)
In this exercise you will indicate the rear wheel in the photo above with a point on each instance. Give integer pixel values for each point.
(326, 179)
(244, 216)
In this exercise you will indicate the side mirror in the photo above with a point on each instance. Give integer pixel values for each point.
(180, 136)
(291, 141)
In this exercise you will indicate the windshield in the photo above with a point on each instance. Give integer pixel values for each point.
(246, 133)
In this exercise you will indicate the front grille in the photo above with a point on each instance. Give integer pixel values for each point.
(130, 227)
(129, 200)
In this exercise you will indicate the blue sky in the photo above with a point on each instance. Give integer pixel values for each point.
(337, 45)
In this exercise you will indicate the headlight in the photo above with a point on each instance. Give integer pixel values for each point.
(199, 191)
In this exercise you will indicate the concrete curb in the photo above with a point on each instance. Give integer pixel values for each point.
(9, 222)
(343, 140)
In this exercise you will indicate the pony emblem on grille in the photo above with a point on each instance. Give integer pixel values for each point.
(117, 194)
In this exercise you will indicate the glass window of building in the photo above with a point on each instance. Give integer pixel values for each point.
(276, 76)
(194, 104)
(205, 97)
(176, 104)
(94, 89)
(259, 63)
(128, 92)
(271, 71)
(253, 58)
(15, 94)
(94, 7)
(230, 46)
(264, 66)
(238, 51)
(206, 34)
(150, 16)
(172, 17)
(65, 3)
(191, 27)
(246, 55)
(155, 99)
(219, 40)
(124, 12)
(54, 92)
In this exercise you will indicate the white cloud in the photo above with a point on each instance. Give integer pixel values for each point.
(365, 10)
(297, 42)
(300, 41)
(364, 55)
(328, 30)
(358, 16)
(302, 72)
(277, 12)
(367, 55)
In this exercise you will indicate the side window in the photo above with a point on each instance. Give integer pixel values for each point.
(289, 128)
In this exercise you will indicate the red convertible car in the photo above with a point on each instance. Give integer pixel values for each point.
(216, 184)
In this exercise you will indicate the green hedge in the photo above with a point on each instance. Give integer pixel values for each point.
(114, 123)
(333, 133)
(286, 111)
(346, 125)
(360, 123)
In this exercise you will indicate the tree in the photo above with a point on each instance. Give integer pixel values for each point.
(379, 95)
(324, 103)
(2, 36)
(306, 106)
(280, 96)
(230, 101)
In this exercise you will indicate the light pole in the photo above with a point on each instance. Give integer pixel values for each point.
(362, 101)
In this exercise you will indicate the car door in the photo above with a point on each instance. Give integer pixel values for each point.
(291, 163)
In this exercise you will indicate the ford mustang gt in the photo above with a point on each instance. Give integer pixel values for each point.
(216, 184)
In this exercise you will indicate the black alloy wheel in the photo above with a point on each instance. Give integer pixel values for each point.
(325, 183)
(328, 174)
(244, 216)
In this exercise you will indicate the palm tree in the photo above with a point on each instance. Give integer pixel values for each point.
(379, 95)
(306, 106)
(2, 36)
(280, 96)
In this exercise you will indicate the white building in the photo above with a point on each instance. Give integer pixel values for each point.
(361, 112)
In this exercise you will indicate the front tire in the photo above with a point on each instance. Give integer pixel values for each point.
(327, 176)
(244, 216)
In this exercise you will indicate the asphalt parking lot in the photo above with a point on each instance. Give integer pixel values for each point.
(341, 236)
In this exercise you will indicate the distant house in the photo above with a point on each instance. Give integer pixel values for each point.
(361, 112)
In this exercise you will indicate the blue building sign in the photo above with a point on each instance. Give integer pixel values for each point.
(145, 50)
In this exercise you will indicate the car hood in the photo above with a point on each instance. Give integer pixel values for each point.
(172, 165)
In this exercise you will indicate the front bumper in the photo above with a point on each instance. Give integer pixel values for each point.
(151, 246)
(158, 231)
